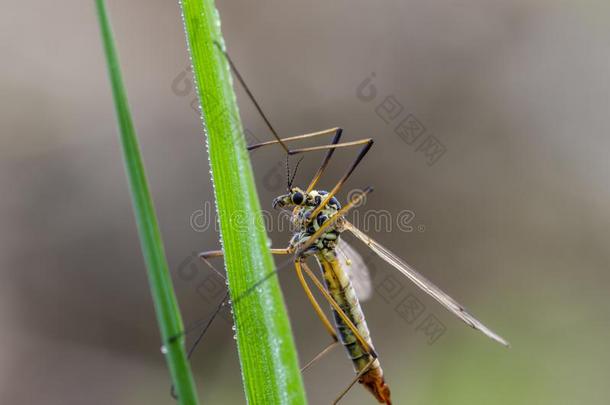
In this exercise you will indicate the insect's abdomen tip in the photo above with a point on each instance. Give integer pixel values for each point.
(373, 380)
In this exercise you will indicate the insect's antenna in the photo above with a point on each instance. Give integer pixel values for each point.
(288, 182)
(294, 174)
(251, 96)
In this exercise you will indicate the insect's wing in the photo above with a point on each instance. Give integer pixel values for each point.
(356, 269)
(425, 284)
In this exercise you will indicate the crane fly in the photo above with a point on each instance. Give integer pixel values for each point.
(318, 219)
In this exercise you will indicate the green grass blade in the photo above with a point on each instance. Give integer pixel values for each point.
(166, 306)
(266, 348)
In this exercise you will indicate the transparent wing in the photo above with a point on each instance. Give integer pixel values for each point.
(356, 269)
(425, 284)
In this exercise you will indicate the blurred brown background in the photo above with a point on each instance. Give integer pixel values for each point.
(512, 219)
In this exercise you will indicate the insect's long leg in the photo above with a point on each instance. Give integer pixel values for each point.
(211, 254)
(251, 96)
(207, 326)
(324, 164)
(297, 138)
(195, 325)
(205, 256)
(368, 143)
(365, 345)
(219, 253)
(318, 356)
(331, 146)
(200, 337)
(192, 327)
(355, 380)
(209, 322)
(321, 315)
(329, 327)
(282, 142)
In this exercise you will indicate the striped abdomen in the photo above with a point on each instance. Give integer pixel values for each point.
(340, 288)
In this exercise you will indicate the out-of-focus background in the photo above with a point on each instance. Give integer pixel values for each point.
(491, 128)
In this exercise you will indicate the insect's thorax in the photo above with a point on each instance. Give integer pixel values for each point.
(304, 228)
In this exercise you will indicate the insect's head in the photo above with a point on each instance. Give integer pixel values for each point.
(294, 197)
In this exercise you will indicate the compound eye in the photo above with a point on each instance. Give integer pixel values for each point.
(297, 198)
(321, 219)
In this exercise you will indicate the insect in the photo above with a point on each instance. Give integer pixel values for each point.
(319, 220)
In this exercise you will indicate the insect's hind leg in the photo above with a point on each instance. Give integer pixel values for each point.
(327, 325)
(348, 322)
(318, 356)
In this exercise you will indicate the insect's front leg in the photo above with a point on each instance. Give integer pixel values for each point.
(219, 253)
